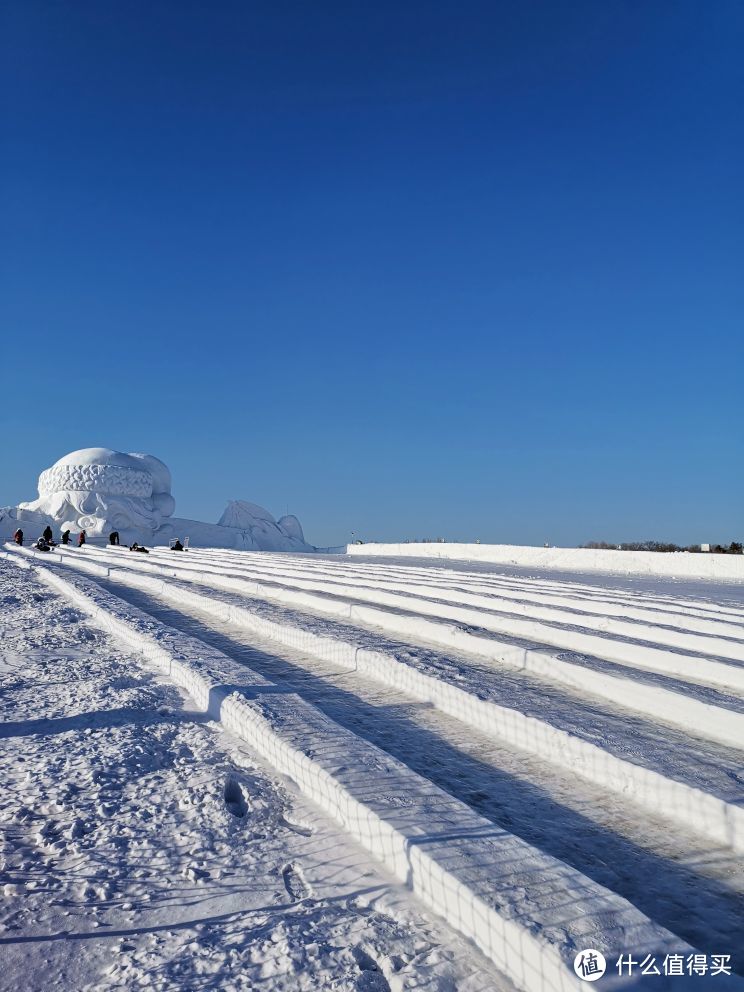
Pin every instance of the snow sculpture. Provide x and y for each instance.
(241, 513)
(161, 484)
(291, 526)
(259, 528)
(99, 490)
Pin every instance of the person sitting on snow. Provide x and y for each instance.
(177, 546)
(138, 547)
(42, 544)
(18, 537)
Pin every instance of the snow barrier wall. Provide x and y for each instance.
(683, 564)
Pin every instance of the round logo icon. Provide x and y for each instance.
(590, 965)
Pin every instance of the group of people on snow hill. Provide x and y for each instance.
(46, 541)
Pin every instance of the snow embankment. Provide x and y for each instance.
(461, 865)
(683, 564)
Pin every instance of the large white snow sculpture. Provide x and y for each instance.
(100, 490)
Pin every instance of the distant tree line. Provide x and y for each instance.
(735, 548)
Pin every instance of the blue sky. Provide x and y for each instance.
(407, 269)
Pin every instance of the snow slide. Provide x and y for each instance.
(458, 863)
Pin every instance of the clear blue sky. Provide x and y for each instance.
(408, 269)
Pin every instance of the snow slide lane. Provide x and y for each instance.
(508, 897)
(655, 623)
(690, 802)
(143, 848)
(628, 644)
(664, 598)
(713, 719)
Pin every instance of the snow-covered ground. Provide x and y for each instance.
(145, 848)
(506, 744)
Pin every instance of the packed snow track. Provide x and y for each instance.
(507, 745)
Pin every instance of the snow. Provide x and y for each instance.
(266, 533)
(693, 802)
(100, 490)
(291, 526)
(682, 564)
(497, 773)
(720, 722)
(144, 849)
(240, 513)
(161, 483)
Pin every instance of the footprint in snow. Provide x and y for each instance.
(294, 882)
(371, 978)
(234, 798)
